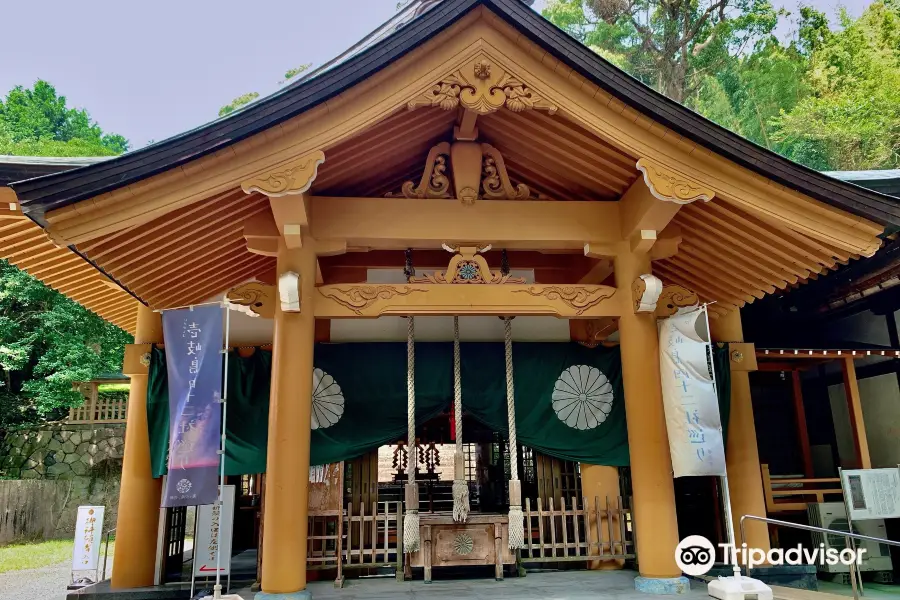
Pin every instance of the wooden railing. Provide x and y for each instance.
(358, 538)
(99, 408)
(598, 530)
(786, 494)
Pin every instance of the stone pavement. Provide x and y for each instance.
(569, 585)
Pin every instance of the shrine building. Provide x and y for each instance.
(465, 162)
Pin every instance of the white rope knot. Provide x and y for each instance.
(411, 531)
(516, 532)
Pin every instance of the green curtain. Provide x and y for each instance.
(247, 424)
(722, 368)
(372, 382)
(537, 368)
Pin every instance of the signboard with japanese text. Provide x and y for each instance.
(214, 528)
(872, 493)
(194, 343)
(88, 538)
(689, 395)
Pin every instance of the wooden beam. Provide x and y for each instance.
(802, 431)
(396, 223)
(854, 406)
(640, 210)
(377, 300)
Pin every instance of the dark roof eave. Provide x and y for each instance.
(44, 194)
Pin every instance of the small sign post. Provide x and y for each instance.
(86, 552)
(214, 529)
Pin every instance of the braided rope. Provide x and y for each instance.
(460, 486)
(516, 525)
(411, 518)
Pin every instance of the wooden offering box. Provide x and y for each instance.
(481, 540)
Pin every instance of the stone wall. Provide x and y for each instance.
(79, 465)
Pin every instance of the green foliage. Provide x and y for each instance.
(238, 103)
(828, 98)
(669, 44)
(291, 73)
(47, 343)
(851, 120)
(246, 99)
(36, 122)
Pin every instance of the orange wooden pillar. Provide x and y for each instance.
(741, 452)
(287, 464)
(656, 524)
(802, 430)
(854, 407)
(139, 497)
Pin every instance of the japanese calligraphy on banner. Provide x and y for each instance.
(194, 364)
(214, 527)
(88, 536)
(689, 395)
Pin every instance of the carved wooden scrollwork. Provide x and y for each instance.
(359, 297)
(467, 267)
(258, 298)
(490, 175)
(671, 186)
(495, 181)
(295, 177)
(578, 297)
(434, 182)
(483, 88)
(674, 297)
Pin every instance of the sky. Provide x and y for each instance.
(150, 70)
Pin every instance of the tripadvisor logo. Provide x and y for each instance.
(695, 555)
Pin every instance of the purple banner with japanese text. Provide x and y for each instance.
(194, 342)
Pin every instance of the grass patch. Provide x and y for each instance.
(34, 555)
(114, 387)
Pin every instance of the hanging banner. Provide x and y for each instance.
(194, 342)
(88, 536)
(214, 528)
(689, 395)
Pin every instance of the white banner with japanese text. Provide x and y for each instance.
(689, 395)
(88, 537)
(214, 527)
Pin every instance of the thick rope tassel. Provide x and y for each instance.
(411, 518)
(460, 485)
(516, 519)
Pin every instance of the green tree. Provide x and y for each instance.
(851, 118)
(668, 44)
(48, 343)
(36, 121)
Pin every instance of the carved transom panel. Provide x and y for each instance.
(467, 267)
(483, 88)
(258, 298)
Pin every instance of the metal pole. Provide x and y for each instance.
(726, 494)
(854, 573)
(217, 590)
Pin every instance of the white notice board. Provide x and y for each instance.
(88, 536)
(872, 493)
(214, 527)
